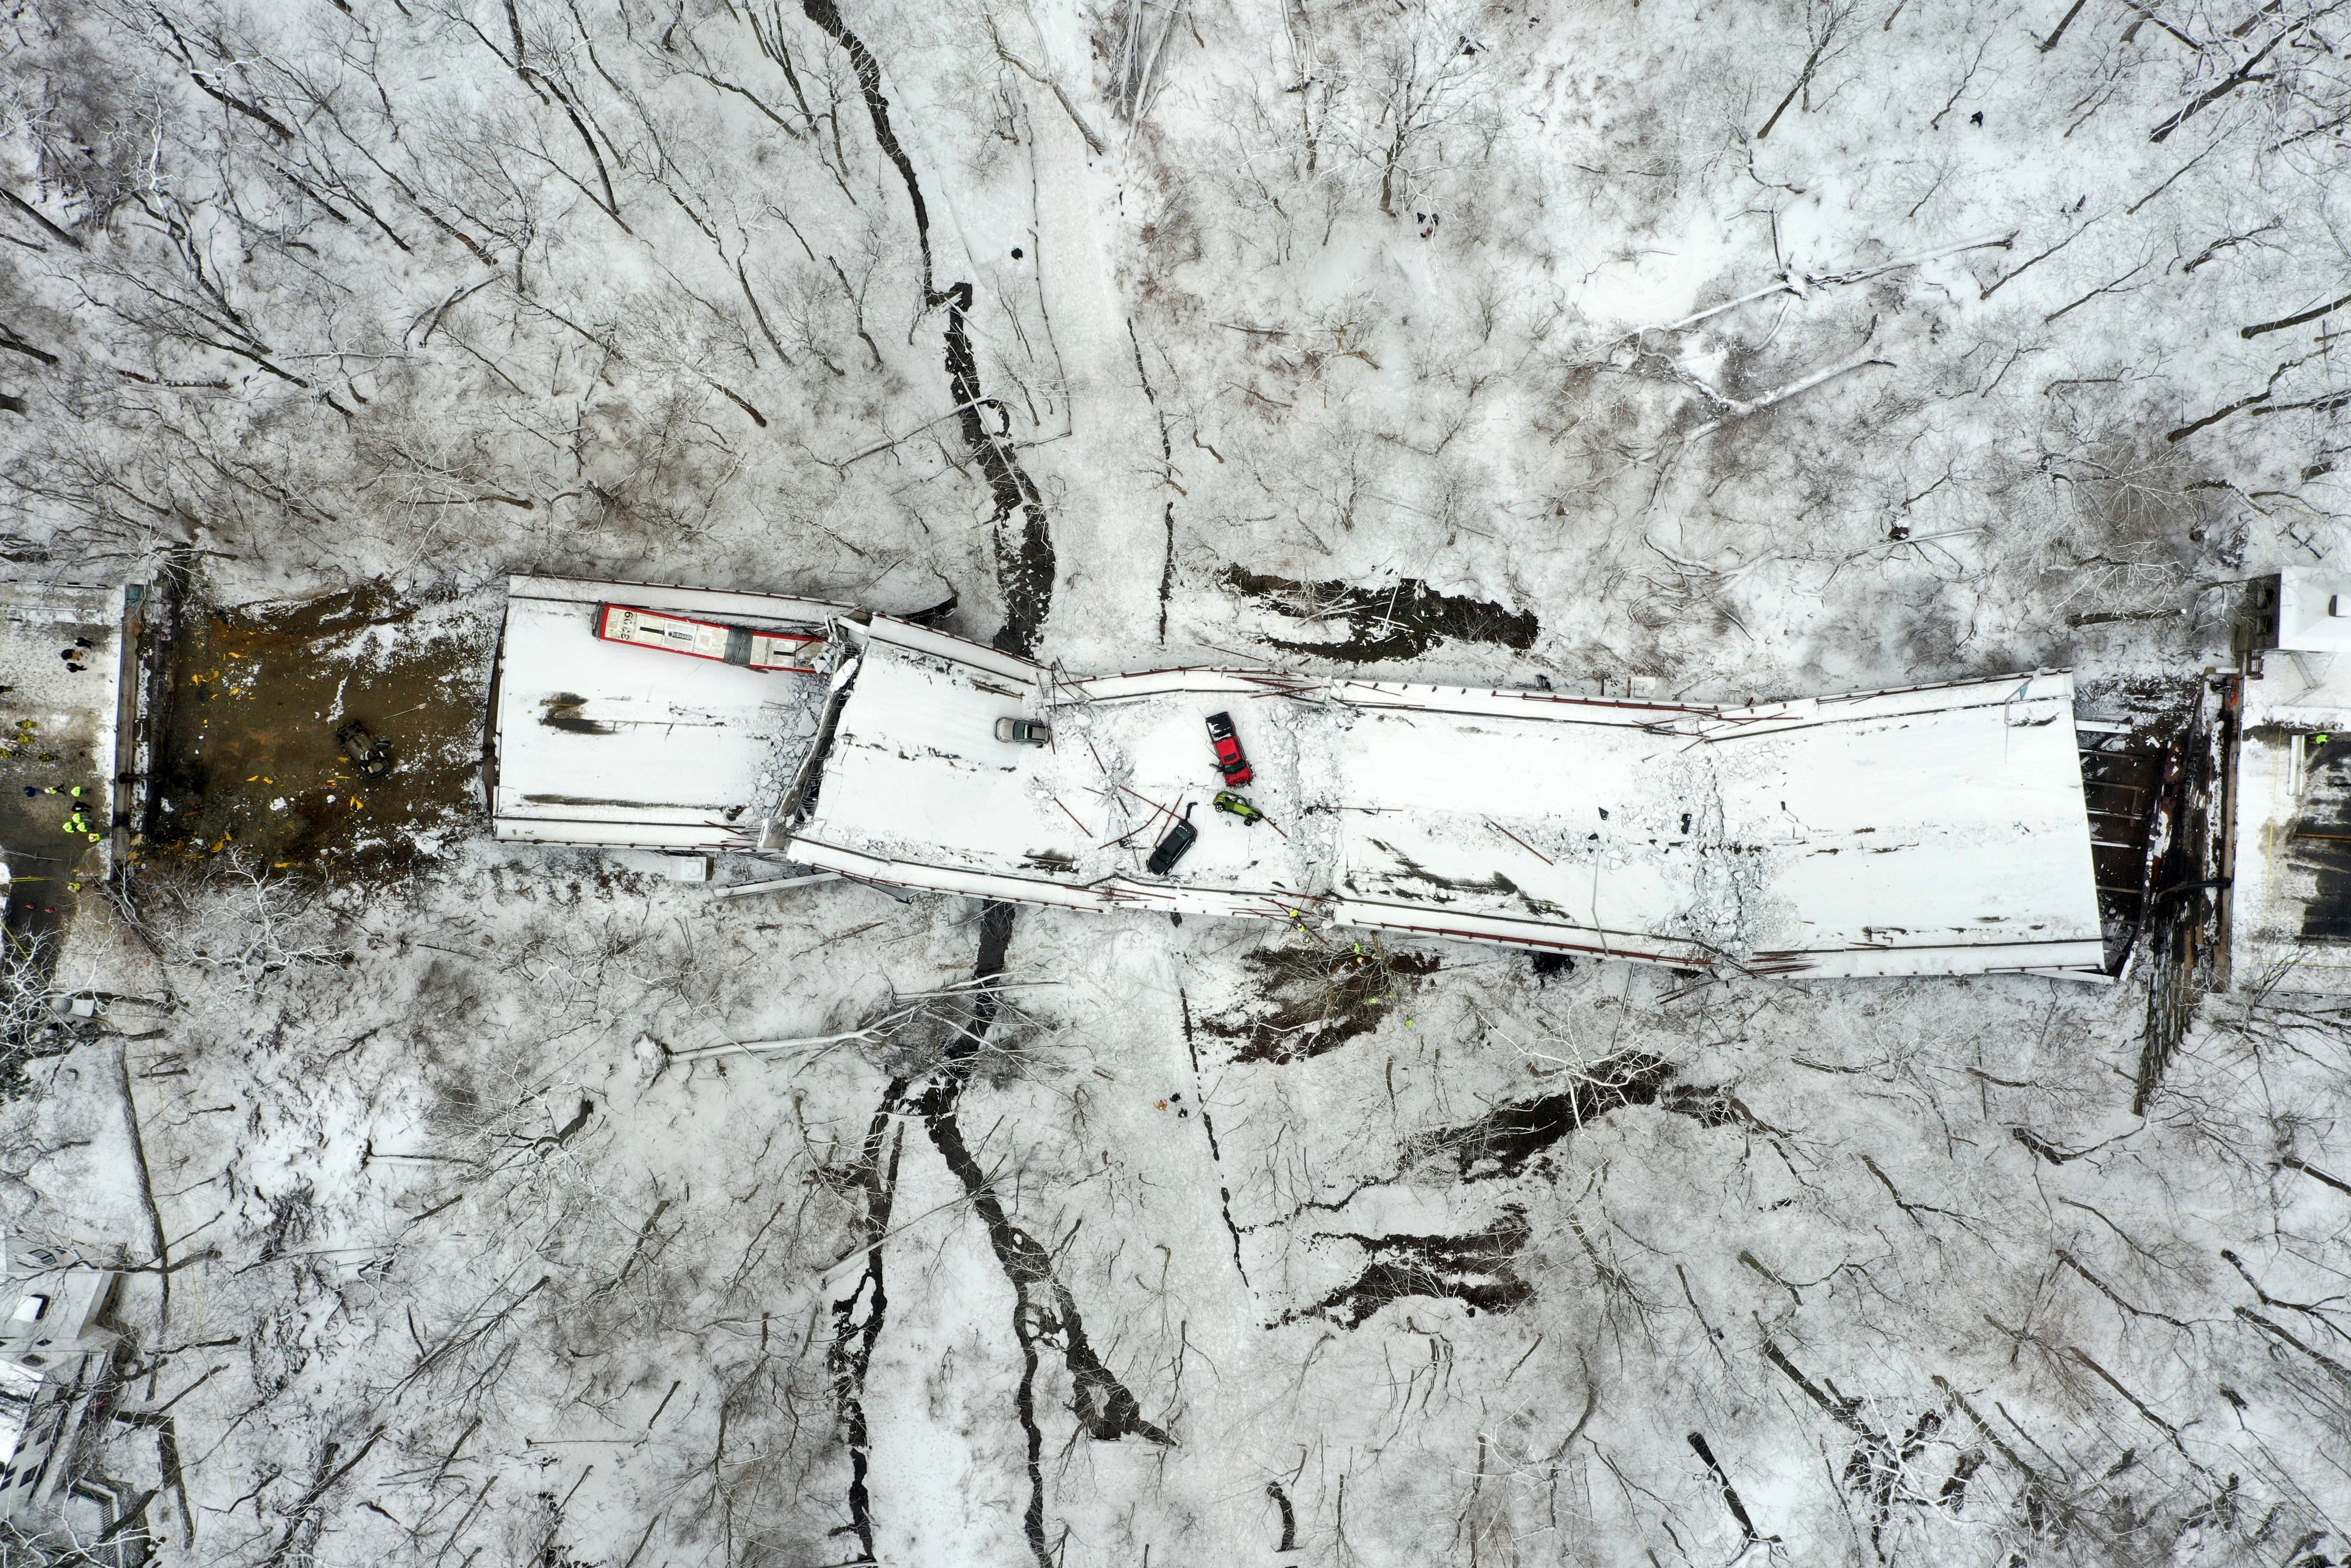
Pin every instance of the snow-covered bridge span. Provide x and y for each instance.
(1936, 829)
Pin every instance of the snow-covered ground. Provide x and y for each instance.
(1697, 355)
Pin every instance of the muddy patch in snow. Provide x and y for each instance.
(1478, 1270)
(248, 762)
(1517, 1135)
(1316, 998)
(1402, 621)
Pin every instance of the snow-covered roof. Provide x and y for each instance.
(2298, 689)
(2313, 612)
(605, 744)
(1933, 831)
(69, 1296)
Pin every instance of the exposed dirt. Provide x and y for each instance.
(1403, 620)
(1477, 1268)
(247, 760)
(1316, 998)
(1514, 1134)
(1501, 1141)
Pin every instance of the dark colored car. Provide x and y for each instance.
(369, 753)
(1172, 845)
(1230, 759)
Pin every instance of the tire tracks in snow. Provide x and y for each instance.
(1025, 565)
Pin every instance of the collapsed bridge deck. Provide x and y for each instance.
(1933, 831)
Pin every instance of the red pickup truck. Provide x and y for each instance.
(1230, 761)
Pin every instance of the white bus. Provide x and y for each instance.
(640, 628)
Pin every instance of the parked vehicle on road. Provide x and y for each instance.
(1239, 806)
(1172, 845)
(1230, 761)
(1026, 731)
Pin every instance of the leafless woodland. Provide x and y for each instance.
(520, 1208)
